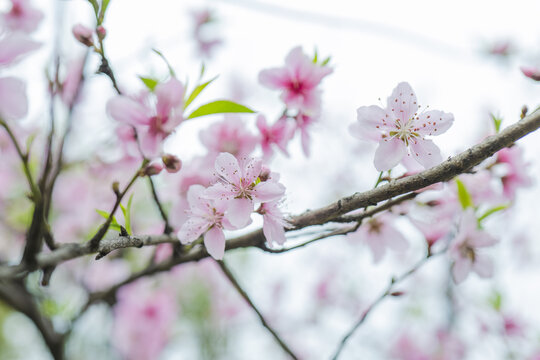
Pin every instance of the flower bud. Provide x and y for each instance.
(172, 163)
(152, 169)
(83, 34)
(265, 174)
(101, 32)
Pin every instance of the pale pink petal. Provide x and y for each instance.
(395, 239)
(275, 78)
(251, 169)
(214, 242)
(389, 153)
(273, 231)
(461, 269)
(268, 191)
(433, 122)
(192, 229)
(170, 95)
(402, 102)
(425, 152)
(22, 17)
(195, 196)
(239, 212)
(13, 101)
(482, 239)
(128, 111)
(15, 45)
(227, 166)
(151, 143)
(377, 247)
(372, 120)
(483, 266)
(220, 191)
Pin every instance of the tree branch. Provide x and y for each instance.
(246, 297)
(387, 292)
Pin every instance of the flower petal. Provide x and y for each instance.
(389, 153)
(251, 169)
(227, 166)
(433, 122)
(192, 229)
(425, 152)
(273, 231)
(170, 95)
(403, 102)
(268, 191)
(13, 101)
(214, 242)
(239, 212)
(372, 122)
(461, 269)
(483, 266)
(126, 110)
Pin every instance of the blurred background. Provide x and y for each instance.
(460, 57)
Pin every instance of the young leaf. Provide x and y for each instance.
(463, 194)
(219, 107)
(171, 70)
(149, 82)
(105, 215)
(496, 122)
(491, 211)
(198, 89)
(326, 61)
(95, 5)
(127, 216)
(104, 6)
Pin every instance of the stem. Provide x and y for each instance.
(246, 297)
(379, 299)
(168, 229)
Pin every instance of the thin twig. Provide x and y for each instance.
(246, 297)
(168, 228)
(388, 291)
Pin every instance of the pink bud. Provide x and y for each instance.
(83, 34)
(152, 169)
(531, 72)
(101, 32)
(172, 163)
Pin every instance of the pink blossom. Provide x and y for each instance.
(206, 217)
(22, 17)
(206, 40)
(72, 81)
(433, 231)
(83, 34)
(464, 249)
(512, 326)
(240, 186)
(401, 130)
(100, 275)
(274, 224)
(298, 81)
(515, 175)
(154, 122)
(303, 123)
(379, 234)
(278, 134)
(13, 101)
(14, 45)
(229, 135)
(531, 72)
(143, 321)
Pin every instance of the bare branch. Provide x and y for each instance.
(246, 297)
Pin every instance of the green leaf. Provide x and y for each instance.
(496, 301)
(326, 61)
(315, 56)
(496, 122)
(150, 83)
(105, 215)
(127, 215)
(463, 194)
(198, 89)
(104, 5)
(493, 210)
(219, 107)
(171, 70)
(95, 5)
